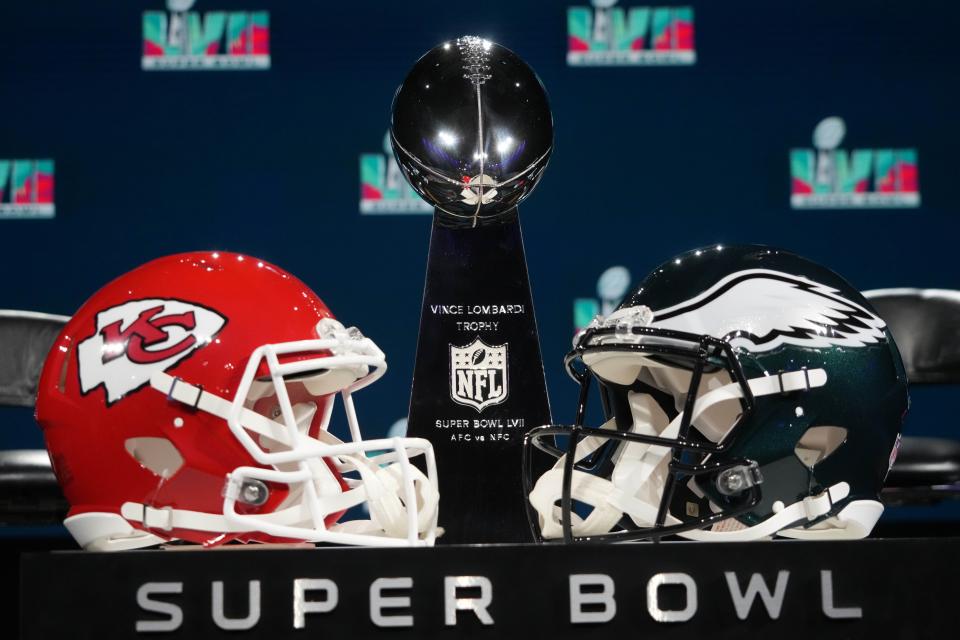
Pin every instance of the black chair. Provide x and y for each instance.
(926, 325)
(29, 494)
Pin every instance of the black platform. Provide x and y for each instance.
(904, 588)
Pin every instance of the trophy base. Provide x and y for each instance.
(478, 382)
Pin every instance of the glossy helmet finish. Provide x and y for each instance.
(471, 129)
(190, 399)
(749, 393)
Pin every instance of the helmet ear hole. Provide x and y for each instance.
(817, 443)
(157, 455)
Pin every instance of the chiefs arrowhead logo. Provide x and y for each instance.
(135, 339)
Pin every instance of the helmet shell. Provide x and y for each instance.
(197, 316)
(783, 313)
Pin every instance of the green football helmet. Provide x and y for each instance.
(749, 392)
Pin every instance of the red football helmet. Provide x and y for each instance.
(189, 400)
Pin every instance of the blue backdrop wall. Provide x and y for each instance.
(689, 143)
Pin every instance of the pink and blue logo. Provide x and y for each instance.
(612, 286)
(26, 189)
(608, 35)
(183, 39)
(827, 177)
(383, 189)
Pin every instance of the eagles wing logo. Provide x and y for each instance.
(135, 339)
(760, 309)
(478, 374)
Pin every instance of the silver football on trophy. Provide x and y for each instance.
(472, 130)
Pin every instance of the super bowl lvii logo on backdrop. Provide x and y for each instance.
(607, 35)
(26, 189)
(828, 177)
(478, 374)
(612, 285)
(183, 39)
(383, 188)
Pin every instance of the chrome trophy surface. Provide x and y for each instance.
(472, 130)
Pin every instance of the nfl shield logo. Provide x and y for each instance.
(478, 374)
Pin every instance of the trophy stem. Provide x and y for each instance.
(478, 383)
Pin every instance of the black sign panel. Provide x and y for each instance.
(890, 588)
(478, 383)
